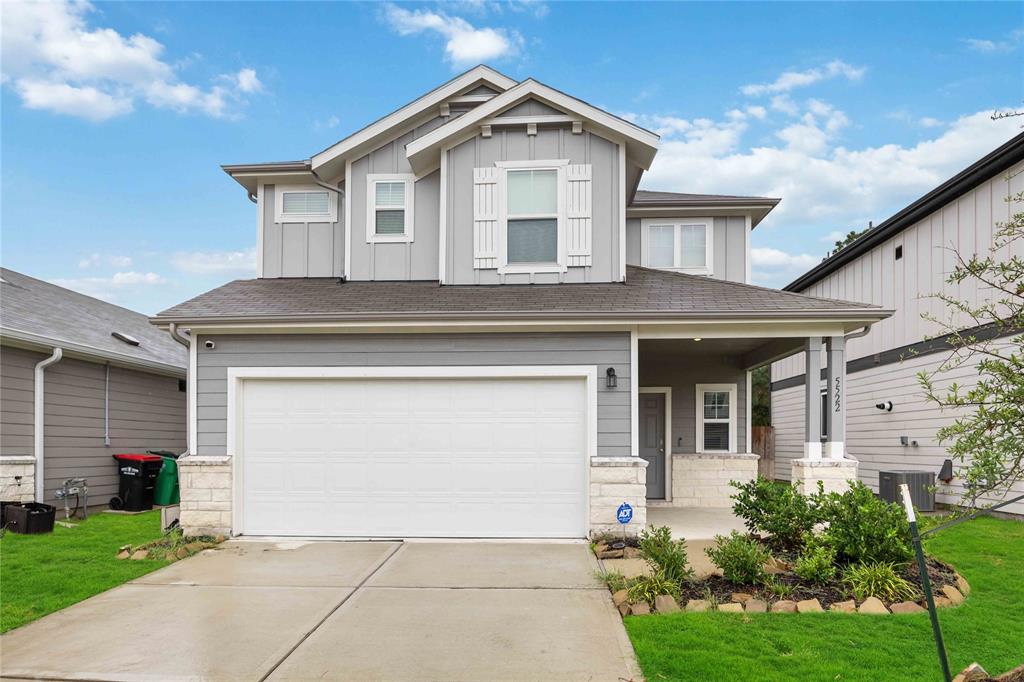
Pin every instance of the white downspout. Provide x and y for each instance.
(190, 411)
(38, 421)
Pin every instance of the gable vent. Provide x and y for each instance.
(130, 340)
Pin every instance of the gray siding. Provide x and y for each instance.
(683, 371)
(513, 144)
(729, 248)
(600, 349)
(301, 249)
(147, 411)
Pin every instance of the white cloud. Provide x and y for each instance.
(1012, 41)
(57, 62)
(790, 80)
(94, 259)
(327, 124)
(223, 263)
(466, 45)
(784, 104)
(929, 122)
(110, 288)
(774, 258)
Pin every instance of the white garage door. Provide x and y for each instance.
(414, 457)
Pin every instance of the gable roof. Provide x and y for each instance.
(651, 204)
(644, 197)
(39, 314)
(329, 161)
(641, 144)
(646, 294)
(1005, 156)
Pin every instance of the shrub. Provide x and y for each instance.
(816, 563)
(778, 589)
(613, 580)
(776, 510)
(863, 528)
(664, 554)
(878, 579)
(741, 558)
(647, 587)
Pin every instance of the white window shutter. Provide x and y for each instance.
(485, 218)
(579, 214)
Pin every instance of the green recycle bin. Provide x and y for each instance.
(166, 490)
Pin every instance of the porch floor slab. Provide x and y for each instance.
(694, 523)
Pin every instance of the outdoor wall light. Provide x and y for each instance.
(610, 380)
(697, 338)
(886, 406)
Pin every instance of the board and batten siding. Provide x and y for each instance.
(873, 435)
(728, 249)
(301, 249)
(514, 144)
(146, 412)
(905, 285)
(610, 349)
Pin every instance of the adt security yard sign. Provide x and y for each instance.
(624, 514)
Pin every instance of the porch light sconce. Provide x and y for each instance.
(697, 338)
(610, 380)
(885, 406)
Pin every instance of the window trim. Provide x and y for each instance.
(560, 264)
(281, 217)
(371, 207)
(677, 223)
(732, 390)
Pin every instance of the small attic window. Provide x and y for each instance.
(130, 340)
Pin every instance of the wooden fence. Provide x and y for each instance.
(763, 444)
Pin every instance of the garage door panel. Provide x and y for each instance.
(414, 457)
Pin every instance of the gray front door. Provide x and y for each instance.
(652, 442)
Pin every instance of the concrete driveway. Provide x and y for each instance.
(341, 611)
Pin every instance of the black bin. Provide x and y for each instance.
(136, 481)
(29, 518)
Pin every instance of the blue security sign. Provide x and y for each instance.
(624, 514)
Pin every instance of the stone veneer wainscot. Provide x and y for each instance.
(614, 480)
(206, 494)
(18, 478)
(702, 480)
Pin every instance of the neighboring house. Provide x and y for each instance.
(80, 380)
(899, 264)
(467, 321)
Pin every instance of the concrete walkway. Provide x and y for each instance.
(341, 611)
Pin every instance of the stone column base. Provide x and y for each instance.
(834, 474)
(702, 479)
(18, 478)
(614, 480)
(206, 494)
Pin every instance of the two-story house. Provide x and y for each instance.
(468, 321)
(902, 263)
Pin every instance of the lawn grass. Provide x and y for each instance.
(988, 628)
(40, 574)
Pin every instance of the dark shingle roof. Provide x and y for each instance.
(44, 312)
(647, 293)
(644, 196)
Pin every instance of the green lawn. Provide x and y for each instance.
(40, 574)
(988, 628)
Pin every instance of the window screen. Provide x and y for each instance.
(533, 241)
(532, 208)
(661, 246)
(716, 420)
(389, 201)
(305, 203)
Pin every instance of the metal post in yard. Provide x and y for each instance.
(925, 582)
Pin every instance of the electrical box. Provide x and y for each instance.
(920, 483)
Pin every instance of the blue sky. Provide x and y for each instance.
(116, 117)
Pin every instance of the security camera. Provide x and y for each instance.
(885, 405)
(210, 345)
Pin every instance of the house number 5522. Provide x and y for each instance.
(838, 393)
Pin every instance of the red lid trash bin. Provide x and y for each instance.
(136, 481)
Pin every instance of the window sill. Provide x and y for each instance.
(306, 218)
(531, 268)
(389, 239)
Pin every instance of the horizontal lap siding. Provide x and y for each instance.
(873, 436)
(147, 412)
(601, 350)
(16, 400)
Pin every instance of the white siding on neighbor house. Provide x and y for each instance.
(606, 349)
(966, 224)
(873, 435)
(729, 246)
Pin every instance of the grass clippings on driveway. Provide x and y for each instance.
(988, 628)
(40, 574)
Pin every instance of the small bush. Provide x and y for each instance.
(778, 589)
(741, 558)
(863, 528)
(613, 580)
(878, 579)
(817, 563)
(664, 554)
(647, 587)
(776, 510)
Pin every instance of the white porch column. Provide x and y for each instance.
(835, 420)
(812, 398)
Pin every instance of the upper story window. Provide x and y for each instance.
(716, 418)
(532, 211)
(305, 204)
(389, 207)
(682, 245)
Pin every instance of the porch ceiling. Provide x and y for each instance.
(716, 347)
